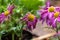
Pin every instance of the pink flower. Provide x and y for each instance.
(30, 20)
(6, 14)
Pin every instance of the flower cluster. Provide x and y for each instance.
(50, 14)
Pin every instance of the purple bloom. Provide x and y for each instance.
(2, 17)
(55, 19)
(30, 20)
(6, 14)
(10, 8)
(50, 14)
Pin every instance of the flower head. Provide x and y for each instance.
(51, 9)
(6, 13)
(55, 19)
(56, 14)
(30, 17)
(30, 20)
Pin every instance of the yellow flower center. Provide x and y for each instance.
(51, 9)
(6, 13)
(31, 17)
(56, 14)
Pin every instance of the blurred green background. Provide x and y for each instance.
(22, 5)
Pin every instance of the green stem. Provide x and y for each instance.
(0, 37)
(21, 30)
(57, 33)
(19, 38)
(0, 31)
(12, 36)
(21, 33)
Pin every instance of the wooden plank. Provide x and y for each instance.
(44, 36)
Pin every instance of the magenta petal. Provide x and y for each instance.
(50, 15)
(41, 19)
(2, 17)
(57, 9)
(58, 19)
(44, 15)
(54, 25)
(25, 17)
(48, 3)
(29, 26)
(10, 8)
(34, 23)
(42, 12)
(48, 22)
